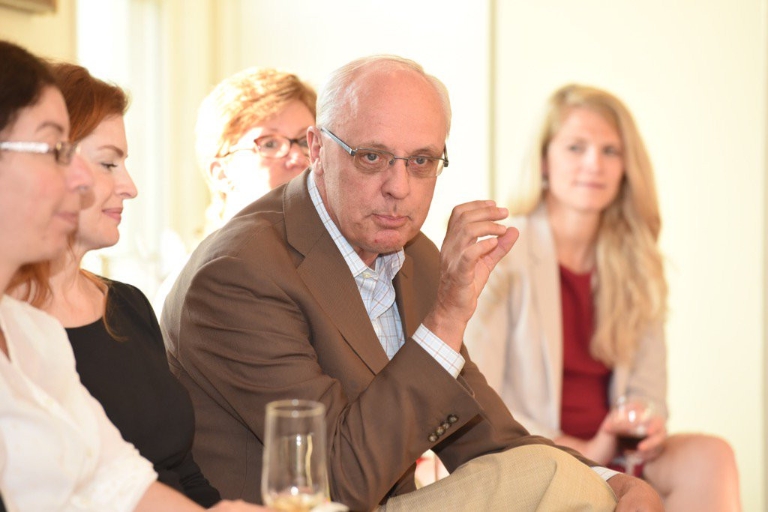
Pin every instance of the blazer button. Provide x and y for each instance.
(452, 418)
(440, 431)
(432, 438)
(446, 425)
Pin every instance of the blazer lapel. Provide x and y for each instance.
(327, 275)
(404, 297)
(547, 302)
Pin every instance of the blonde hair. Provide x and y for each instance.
(630, 295)
(238, 103)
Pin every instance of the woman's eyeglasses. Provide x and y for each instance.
(62, 151)
(273, 146)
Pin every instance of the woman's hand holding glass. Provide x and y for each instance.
(652, 446)
(638, 428)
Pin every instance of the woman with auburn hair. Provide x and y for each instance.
(573, 318)
(114, 334)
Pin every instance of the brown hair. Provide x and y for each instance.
(89, 101)
(22, 79)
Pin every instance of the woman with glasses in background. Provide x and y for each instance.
(58, 449)
(573, 318)
(251, 136)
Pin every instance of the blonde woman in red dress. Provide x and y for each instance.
(573, 317)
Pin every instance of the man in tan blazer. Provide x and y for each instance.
(325, 289)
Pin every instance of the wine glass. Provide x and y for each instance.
(294, 476)
(631, 417)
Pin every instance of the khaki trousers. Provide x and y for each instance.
(527, 478)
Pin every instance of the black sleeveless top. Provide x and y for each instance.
(129, 375)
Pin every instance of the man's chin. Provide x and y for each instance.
(389, 242)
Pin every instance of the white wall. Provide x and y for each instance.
(693, 73)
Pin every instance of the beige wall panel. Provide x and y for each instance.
(49, 35)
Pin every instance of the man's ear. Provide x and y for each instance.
(315, 144)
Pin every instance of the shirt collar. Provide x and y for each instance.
(389, 263)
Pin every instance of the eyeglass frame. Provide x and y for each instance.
(353, 151)
(257, 149)
(63, 151)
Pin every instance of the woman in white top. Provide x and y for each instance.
(573, 317)
(58, 450)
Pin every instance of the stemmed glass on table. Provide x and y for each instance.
(294, 475)
(631, 417)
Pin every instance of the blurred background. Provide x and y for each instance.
(693, 72)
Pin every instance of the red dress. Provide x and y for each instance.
(584, 402)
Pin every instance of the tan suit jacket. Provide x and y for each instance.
(516, 335)
(267, 309)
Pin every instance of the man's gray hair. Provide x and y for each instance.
(330, 98)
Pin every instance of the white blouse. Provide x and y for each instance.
(58, 450)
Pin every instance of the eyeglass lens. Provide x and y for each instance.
(375, 161)
(277, 146)
(63, 151)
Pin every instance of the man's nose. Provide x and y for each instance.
(397, 182)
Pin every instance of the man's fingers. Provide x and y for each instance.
(476, 211)
(508, 239)
(502, 247)
(478, 230)
(490, 250)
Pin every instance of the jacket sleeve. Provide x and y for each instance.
(252, 336)
(647, 376)
(494, 423)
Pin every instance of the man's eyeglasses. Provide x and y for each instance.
(273, 146)
(62, 151)
(372, 161)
